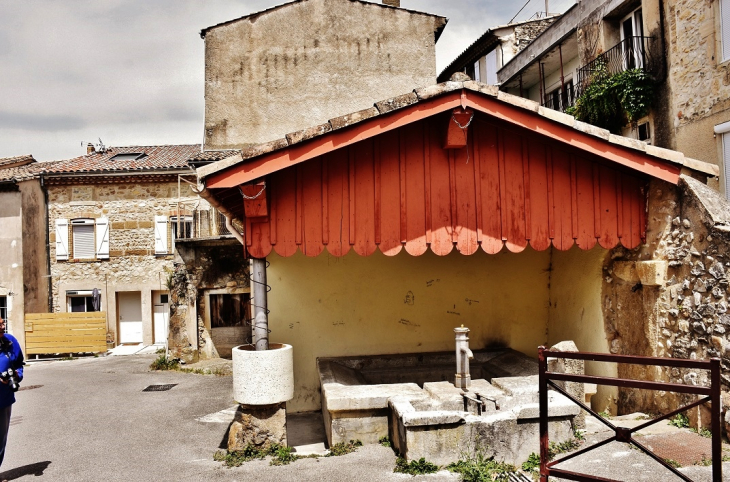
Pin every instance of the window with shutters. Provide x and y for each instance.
(724, 30)
(726, 162)
(181, 228)
(82, 239)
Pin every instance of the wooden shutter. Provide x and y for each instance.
(61, 239)
(726, 162)
(491, 60)
(102, 238)
(83, 241)
(161, 235)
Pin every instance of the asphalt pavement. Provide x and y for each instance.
(89, 419)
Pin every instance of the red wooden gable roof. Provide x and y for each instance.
(387, 183)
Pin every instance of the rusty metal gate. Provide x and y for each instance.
(622, 434)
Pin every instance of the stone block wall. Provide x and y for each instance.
(669, 298)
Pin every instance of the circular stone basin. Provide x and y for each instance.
(263, 377)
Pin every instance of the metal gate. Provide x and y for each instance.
(622, 434)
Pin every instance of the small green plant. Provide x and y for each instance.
(479, 468)
(703, 432)
(160, 351)
(164, 363)
(283, 456)
(415, 467)
(562, 447)
(680, 421)
(606, 414)
(343, 448)
(385, 441)
(579, 435)
(672, 463)
(68, 358)
(532, 464)
(726, 458)
(705, 462)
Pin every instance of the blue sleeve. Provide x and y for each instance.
(18, 360)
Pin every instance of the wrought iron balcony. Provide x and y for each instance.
(630, 53)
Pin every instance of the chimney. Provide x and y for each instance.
(90, 148)
(392, 3)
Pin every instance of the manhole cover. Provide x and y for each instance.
(29, 387)
(159, 388)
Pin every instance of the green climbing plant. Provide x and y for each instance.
(612, 100)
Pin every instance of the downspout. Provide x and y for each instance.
(48, 245)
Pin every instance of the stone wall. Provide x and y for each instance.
(131, 208)
(669, 298)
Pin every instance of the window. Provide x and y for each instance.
(725, 29)
(83, 301)
(4, 307)
(632, 32)
(477, 74)
(166, 232)
(89, 239)
(644, 132)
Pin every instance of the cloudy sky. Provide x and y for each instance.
(131, 71)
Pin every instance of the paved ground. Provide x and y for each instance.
(89, 420)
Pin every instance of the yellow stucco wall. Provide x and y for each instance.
(576, 312)
(329, 306)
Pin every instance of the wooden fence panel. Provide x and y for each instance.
(49, 333)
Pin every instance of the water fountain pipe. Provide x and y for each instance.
(463, 355)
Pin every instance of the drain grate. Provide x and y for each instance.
(159, 388)
(519, 477)
(29, 387)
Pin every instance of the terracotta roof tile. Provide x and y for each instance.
(152, 158)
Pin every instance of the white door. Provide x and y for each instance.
(161, 311)
(130, 317)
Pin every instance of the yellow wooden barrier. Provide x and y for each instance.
(49, 333)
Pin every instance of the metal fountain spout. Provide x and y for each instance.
(463, 355)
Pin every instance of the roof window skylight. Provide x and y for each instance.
(128, 156)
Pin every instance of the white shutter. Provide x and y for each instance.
(491, 77)
(61, 239)
(102, 238)
(161, 235)
(477, 75)
(725, 29)
(83, 241)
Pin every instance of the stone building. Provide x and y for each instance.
(299, 64)
(486, 55)
(683, 44)
(115, 216)
(23, 240)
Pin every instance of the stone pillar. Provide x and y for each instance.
(261, 317)
(259, 426)
(573, 367)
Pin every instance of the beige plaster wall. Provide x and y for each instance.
(11, 268)
(302, 64)
(327, 306)
(699, 80)
(576, 311)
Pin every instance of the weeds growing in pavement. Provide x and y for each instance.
(415, 467)
(672, 463)
(343, 448)
(281, 455)
(479, 468)
(680, 421)
(164, 363)
(385, 442)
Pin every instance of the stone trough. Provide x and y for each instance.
(412, 399)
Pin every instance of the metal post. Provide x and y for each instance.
(563, 95)
(716, 420)
(261, 317)
(543, 394)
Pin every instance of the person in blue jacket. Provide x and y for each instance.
(11, 356)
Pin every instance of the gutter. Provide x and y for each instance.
(48, 245)
(203, 192)
(158, 171)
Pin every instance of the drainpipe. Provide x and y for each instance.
(261, 318)
(562, 79)
(48, 246)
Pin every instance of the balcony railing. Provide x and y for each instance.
(630, 53)
(200, 223)
(560, 98)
